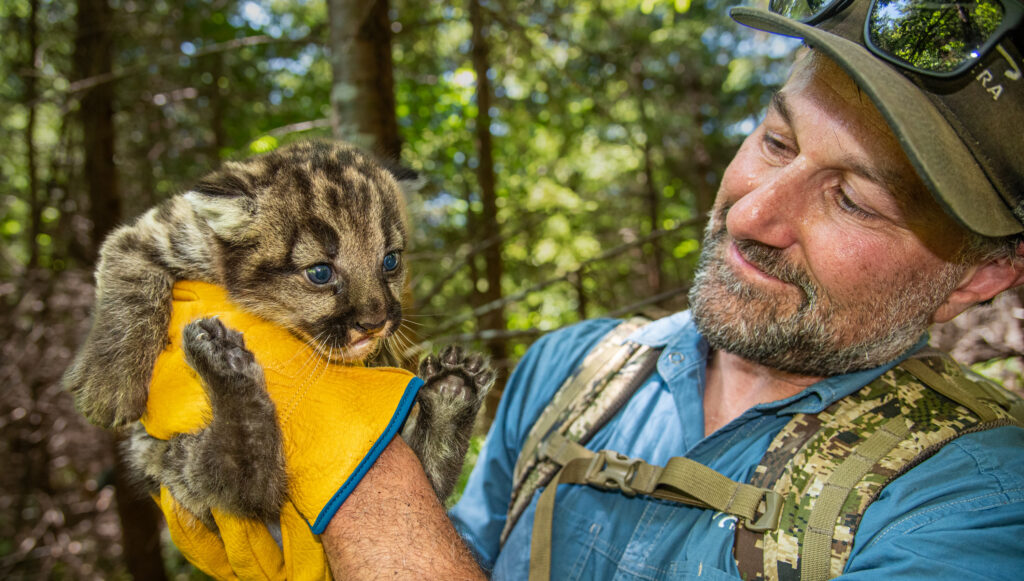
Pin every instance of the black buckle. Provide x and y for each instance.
(610, 470)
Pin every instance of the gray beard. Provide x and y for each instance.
(816, 335)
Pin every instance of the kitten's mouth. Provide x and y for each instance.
(360, 349)
(360, 346)
(355, 347)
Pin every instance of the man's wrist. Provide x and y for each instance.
(393, 526)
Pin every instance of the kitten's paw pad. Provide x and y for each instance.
(452, 387)
(219, 355)
(457, 374)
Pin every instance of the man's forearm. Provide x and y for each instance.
(393, 527)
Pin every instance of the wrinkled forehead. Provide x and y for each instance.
(820, 79)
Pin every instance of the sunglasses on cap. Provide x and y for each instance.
(936, 38)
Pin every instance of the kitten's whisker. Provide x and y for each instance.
(409, 348)
(318, 358)
(308, 348)
(313, 352)
(389, 347)
(402, 339)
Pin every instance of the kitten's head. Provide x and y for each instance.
(311, 236)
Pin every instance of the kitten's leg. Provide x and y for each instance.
(455, 384)
(237, 462)
(151, 465)
(110, 375)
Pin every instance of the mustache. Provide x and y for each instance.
(771, 261)
(768, 259)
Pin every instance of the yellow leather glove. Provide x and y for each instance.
(335, 421)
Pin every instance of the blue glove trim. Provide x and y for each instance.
(404, 405)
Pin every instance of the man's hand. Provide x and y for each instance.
(393, 527)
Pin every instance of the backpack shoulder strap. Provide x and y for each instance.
(830, 466)
(608, 376)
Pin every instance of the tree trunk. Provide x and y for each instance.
(363, 107)
(140, 526)
(140, 530)
(31, 94)
(487, 224)
(363, 94)
(651, 195)
(93, 57)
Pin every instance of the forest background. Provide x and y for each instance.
(569, 150)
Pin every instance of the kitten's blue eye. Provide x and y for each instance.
(390, 261)
(320, 273)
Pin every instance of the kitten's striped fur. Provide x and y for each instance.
(255, 227)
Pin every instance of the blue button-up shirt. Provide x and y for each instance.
(958, 515)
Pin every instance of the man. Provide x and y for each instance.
(872, 201)
(826, 235)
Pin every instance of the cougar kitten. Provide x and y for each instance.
(310, 237)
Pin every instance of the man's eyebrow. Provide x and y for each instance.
(894, 182)
(779, 105)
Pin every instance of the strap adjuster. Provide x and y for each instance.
(610, 470)
(769, 519)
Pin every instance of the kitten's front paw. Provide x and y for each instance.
(456, 376)
(455, 384)
(105, 392)
(219, 356)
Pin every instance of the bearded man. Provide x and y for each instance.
(792, 423)
(876, 197)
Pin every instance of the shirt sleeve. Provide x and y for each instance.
(958, 515)
(479, 516)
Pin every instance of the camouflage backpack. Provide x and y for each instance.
(801, 509)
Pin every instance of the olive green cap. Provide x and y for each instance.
(964, 136)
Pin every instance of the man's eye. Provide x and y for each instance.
(849, 206)
(774, 144)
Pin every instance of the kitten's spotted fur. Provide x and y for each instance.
(310, 237)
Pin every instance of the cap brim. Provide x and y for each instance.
(942, 161)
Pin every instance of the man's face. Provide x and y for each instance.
(825, 253)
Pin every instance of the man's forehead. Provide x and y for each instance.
(869, 147)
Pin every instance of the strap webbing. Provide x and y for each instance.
(571, 393)
(816, 553)
(681, 480)
(950, 388)
(609, 375)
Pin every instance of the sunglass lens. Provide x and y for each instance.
(933, 36)
(802, 10)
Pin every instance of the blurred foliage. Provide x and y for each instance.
(612, 122)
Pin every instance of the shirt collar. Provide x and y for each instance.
(663, 331)
(824, 393)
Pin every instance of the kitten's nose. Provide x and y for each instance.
(371, 327)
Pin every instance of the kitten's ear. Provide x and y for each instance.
(224, 202)
(409, 180)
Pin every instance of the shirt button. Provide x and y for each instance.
(676, 357)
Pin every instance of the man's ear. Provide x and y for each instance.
(982, 282)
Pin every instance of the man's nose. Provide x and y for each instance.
(774, 207)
